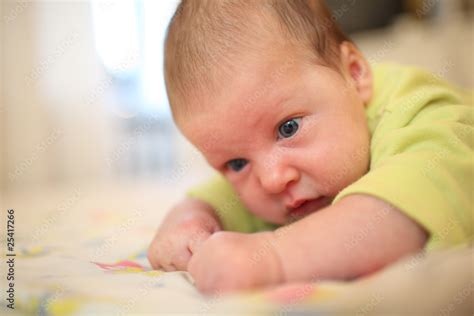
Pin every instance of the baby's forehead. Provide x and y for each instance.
(247, 102)
(230, 126)
(257, 82)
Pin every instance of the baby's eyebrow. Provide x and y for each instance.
(275, 109)
(217, 157)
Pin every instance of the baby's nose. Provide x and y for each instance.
(275, 178)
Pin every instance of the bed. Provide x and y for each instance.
(82, 251)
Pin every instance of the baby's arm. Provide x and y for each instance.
(351, 238)
(355, 236)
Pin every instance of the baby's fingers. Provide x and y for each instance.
(197, 239)
(152, 258)
(180, 260)
(159, 254)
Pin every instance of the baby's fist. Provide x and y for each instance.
(181, 233)
(232, 261)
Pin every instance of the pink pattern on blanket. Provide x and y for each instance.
(123, 265)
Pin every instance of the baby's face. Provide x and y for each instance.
(289, 142)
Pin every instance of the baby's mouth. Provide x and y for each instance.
(307, 207)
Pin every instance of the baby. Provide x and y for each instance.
(329, 169)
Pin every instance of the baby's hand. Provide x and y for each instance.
(230, 261)
(189, 224)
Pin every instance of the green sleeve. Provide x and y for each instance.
(234, 216)
(422, 159)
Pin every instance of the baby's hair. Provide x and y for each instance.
(205, 38)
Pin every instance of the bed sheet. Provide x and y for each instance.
(83, 252)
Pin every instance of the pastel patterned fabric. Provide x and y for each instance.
(93, 262)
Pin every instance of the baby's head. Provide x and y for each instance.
(273, 94)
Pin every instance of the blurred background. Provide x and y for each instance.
(82, 97)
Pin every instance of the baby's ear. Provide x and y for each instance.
(357, 70)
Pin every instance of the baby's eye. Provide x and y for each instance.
(237, 164)
(289, 128)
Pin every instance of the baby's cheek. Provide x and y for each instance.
(339, 174)
(262, 206)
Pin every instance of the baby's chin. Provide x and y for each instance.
(308, 208)
(277, 217)
(284, 216)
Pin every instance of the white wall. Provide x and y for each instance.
(61, 125)
(444, 46)
(49, 70)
